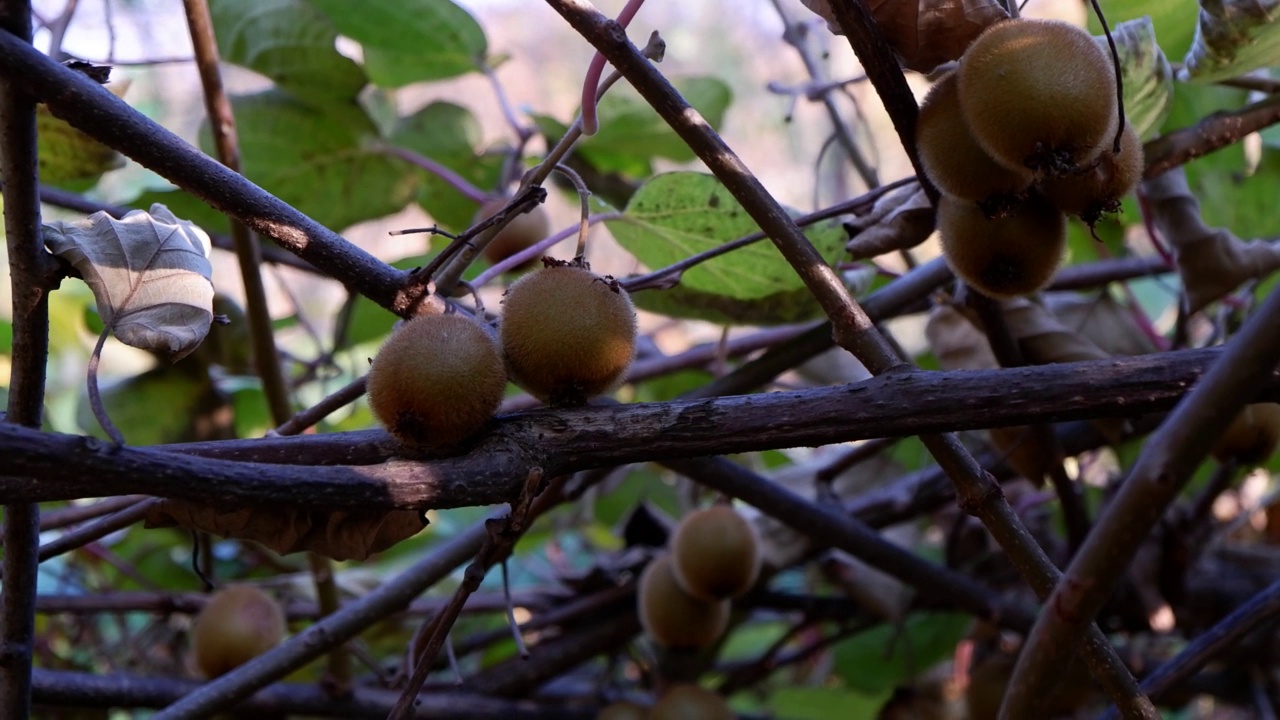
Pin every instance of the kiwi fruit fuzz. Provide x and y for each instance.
(524, 231)
(239, 623)
(1099, 189)
(673, 618)
(1005, 257)
(567, 334)
(1039, 95)
(1252, 437)
(954, 160)
(715, 553)
(437, 381)
(686, 701)
(623, 711)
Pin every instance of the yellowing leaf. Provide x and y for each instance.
(149, 274)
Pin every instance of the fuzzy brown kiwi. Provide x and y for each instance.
(1252, 437)
(1005, 257)
(673, 618)
(954, 160)
(437, 381)
(1098, 190)
(623, 711)
(524, 231)
(567, 334)
(239, 623)
(715, 553)
(1038, 94)
(686, 701)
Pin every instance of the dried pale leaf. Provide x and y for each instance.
(956, 342)
(1147, 75)
(1045, 340)
(899, 220)
(1212, 262)
(1102, 320)
(925, 33)
(341, 535)
(149, 273)
(1233, 37)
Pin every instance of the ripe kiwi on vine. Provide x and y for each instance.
(567, 334)
(437, 381)
(954, 160)
(715, 553)
(686, 701)
(1098, 190)
(673, 618)
(1039, 94)
(522, 232)
(1252, 436)
(237, 624)
(1003, 257)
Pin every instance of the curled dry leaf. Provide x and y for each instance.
(899, 220)
(149, 273)
(925, 33)
(1147, 75)
(1212, 262)
(1233, 37)
(340, 535)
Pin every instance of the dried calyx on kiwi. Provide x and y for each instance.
(1097, 189)
(567, 334)
(237, 624)
(1004, 257)
(1039, 95)
(437, 381)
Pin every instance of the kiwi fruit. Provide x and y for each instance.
(1252, 437)
(673, 618)
(524, 231)
(1098, 189)
(437, 381)
(1004, 257)
(954, 160)
(623, 711)
(239, 623)
(1038, 94)
(686, 701)
(715, 553)
(567, 334)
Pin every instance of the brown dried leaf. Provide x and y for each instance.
(1043, 339)
(341, 535)
(899, 220)
(925, 33)
(956, 342)
(1212, 262)
(1101, 320)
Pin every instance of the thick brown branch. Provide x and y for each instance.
(1212, 133)
(563, 441)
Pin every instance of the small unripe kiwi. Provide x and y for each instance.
(1005, 257)
(567, 334)
(672, 617)
(1038, 94)
(524, 230)
(437, 381)
(1252, 436)
(954, 160)
(715, 553)
(623, 711)
(239, 623)
(1099, 189)
(690, 702)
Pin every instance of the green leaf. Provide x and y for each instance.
(315, 161)
(290, 42)
(408, 41)
(631, 133)
(450, 135)
(132, 405)
(1148, 79)
(820, 703)
(1174, 20)
(68, 157)
(1233, 37)
(788, 306)
(187, 206)
(885, 657)
(6, 337)
(676, 215)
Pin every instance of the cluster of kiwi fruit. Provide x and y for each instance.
(566, 335)
(237, 624)
(1019, 136)
(684, 595)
